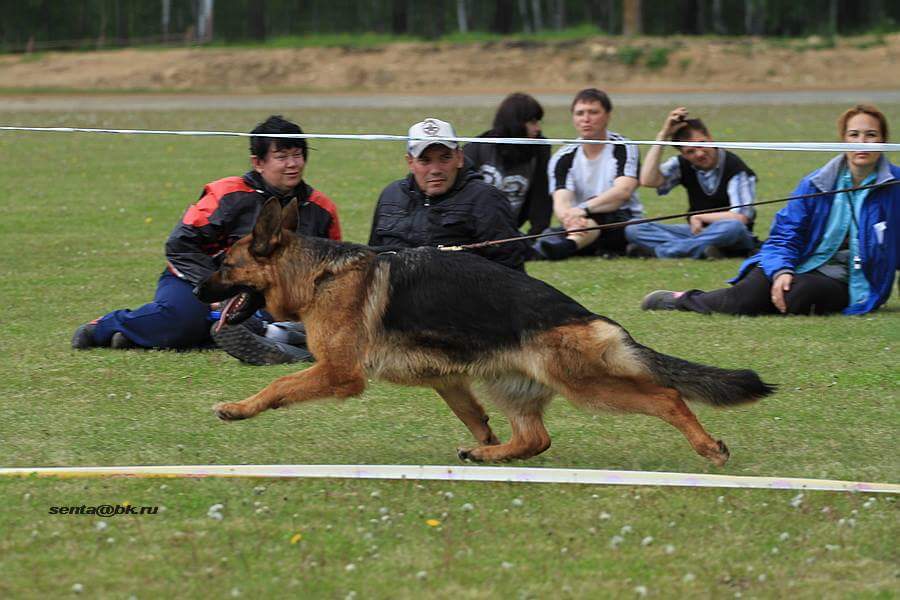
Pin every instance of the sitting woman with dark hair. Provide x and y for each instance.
(517, 170)
(225, 212)
(826, 254)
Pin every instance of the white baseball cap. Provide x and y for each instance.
(430, 127)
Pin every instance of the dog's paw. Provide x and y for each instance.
(467, 455)
(722, 455)
(229, 411)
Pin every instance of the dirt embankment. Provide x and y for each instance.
(644, 64)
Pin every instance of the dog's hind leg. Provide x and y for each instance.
(596, 366)
(464, 405)
(523, 401)
(317, 382)
(635, 396)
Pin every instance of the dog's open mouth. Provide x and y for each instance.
(239, 308)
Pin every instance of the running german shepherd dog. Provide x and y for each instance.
(448, 320)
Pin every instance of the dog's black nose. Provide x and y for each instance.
(204, 292)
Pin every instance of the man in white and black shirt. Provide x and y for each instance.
(713, 178)
(592, 184)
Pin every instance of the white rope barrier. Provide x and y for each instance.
(469, 473)
(381, 137)
(463, 473)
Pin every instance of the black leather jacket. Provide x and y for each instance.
(471, 211)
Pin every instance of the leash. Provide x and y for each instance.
(663, 218)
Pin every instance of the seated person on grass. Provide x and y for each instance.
(592, 184)
(837, 252)
(517, 170)
(441, 203)
(225, 212)
(713, 178)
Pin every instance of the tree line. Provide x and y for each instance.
(80, 24)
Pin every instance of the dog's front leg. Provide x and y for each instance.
(319, 381)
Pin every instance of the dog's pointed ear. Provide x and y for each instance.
(290, 216)
(267, 230)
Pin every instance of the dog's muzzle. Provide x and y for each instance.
(240, 308)
(241, 303)
(212, 290)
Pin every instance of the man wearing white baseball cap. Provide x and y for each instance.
(440, 203)
(431, 131)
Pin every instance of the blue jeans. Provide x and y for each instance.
(173, 319)
(676, 241)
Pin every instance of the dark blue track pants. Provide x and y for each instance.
(174, 319)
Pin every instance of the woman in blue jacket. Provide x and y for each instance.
(825, 254)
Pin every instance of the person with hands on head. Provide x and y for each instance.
(837, 252)
(592, 184)
(713, 178)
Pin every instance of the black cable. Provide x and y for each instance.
(663, 218)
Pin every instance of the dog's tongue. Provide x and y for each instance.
(231, 307)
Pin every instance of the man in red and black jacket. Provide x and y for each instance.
(225, 212)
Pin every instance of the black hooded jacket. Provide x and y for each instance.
(520, 172)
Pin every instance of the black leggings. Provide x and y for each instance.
(611, 241)
(810, 294)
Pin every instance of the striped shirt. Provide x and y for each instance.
(740, 187)
(570, 169)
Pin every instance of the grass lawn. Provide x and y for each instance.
(84, 221)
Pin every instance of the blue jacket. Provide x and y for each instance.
(799, 226)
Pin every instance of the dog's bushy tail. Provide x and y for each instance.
(703, 383)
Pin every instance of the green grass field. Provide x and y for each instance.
(84, 221)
